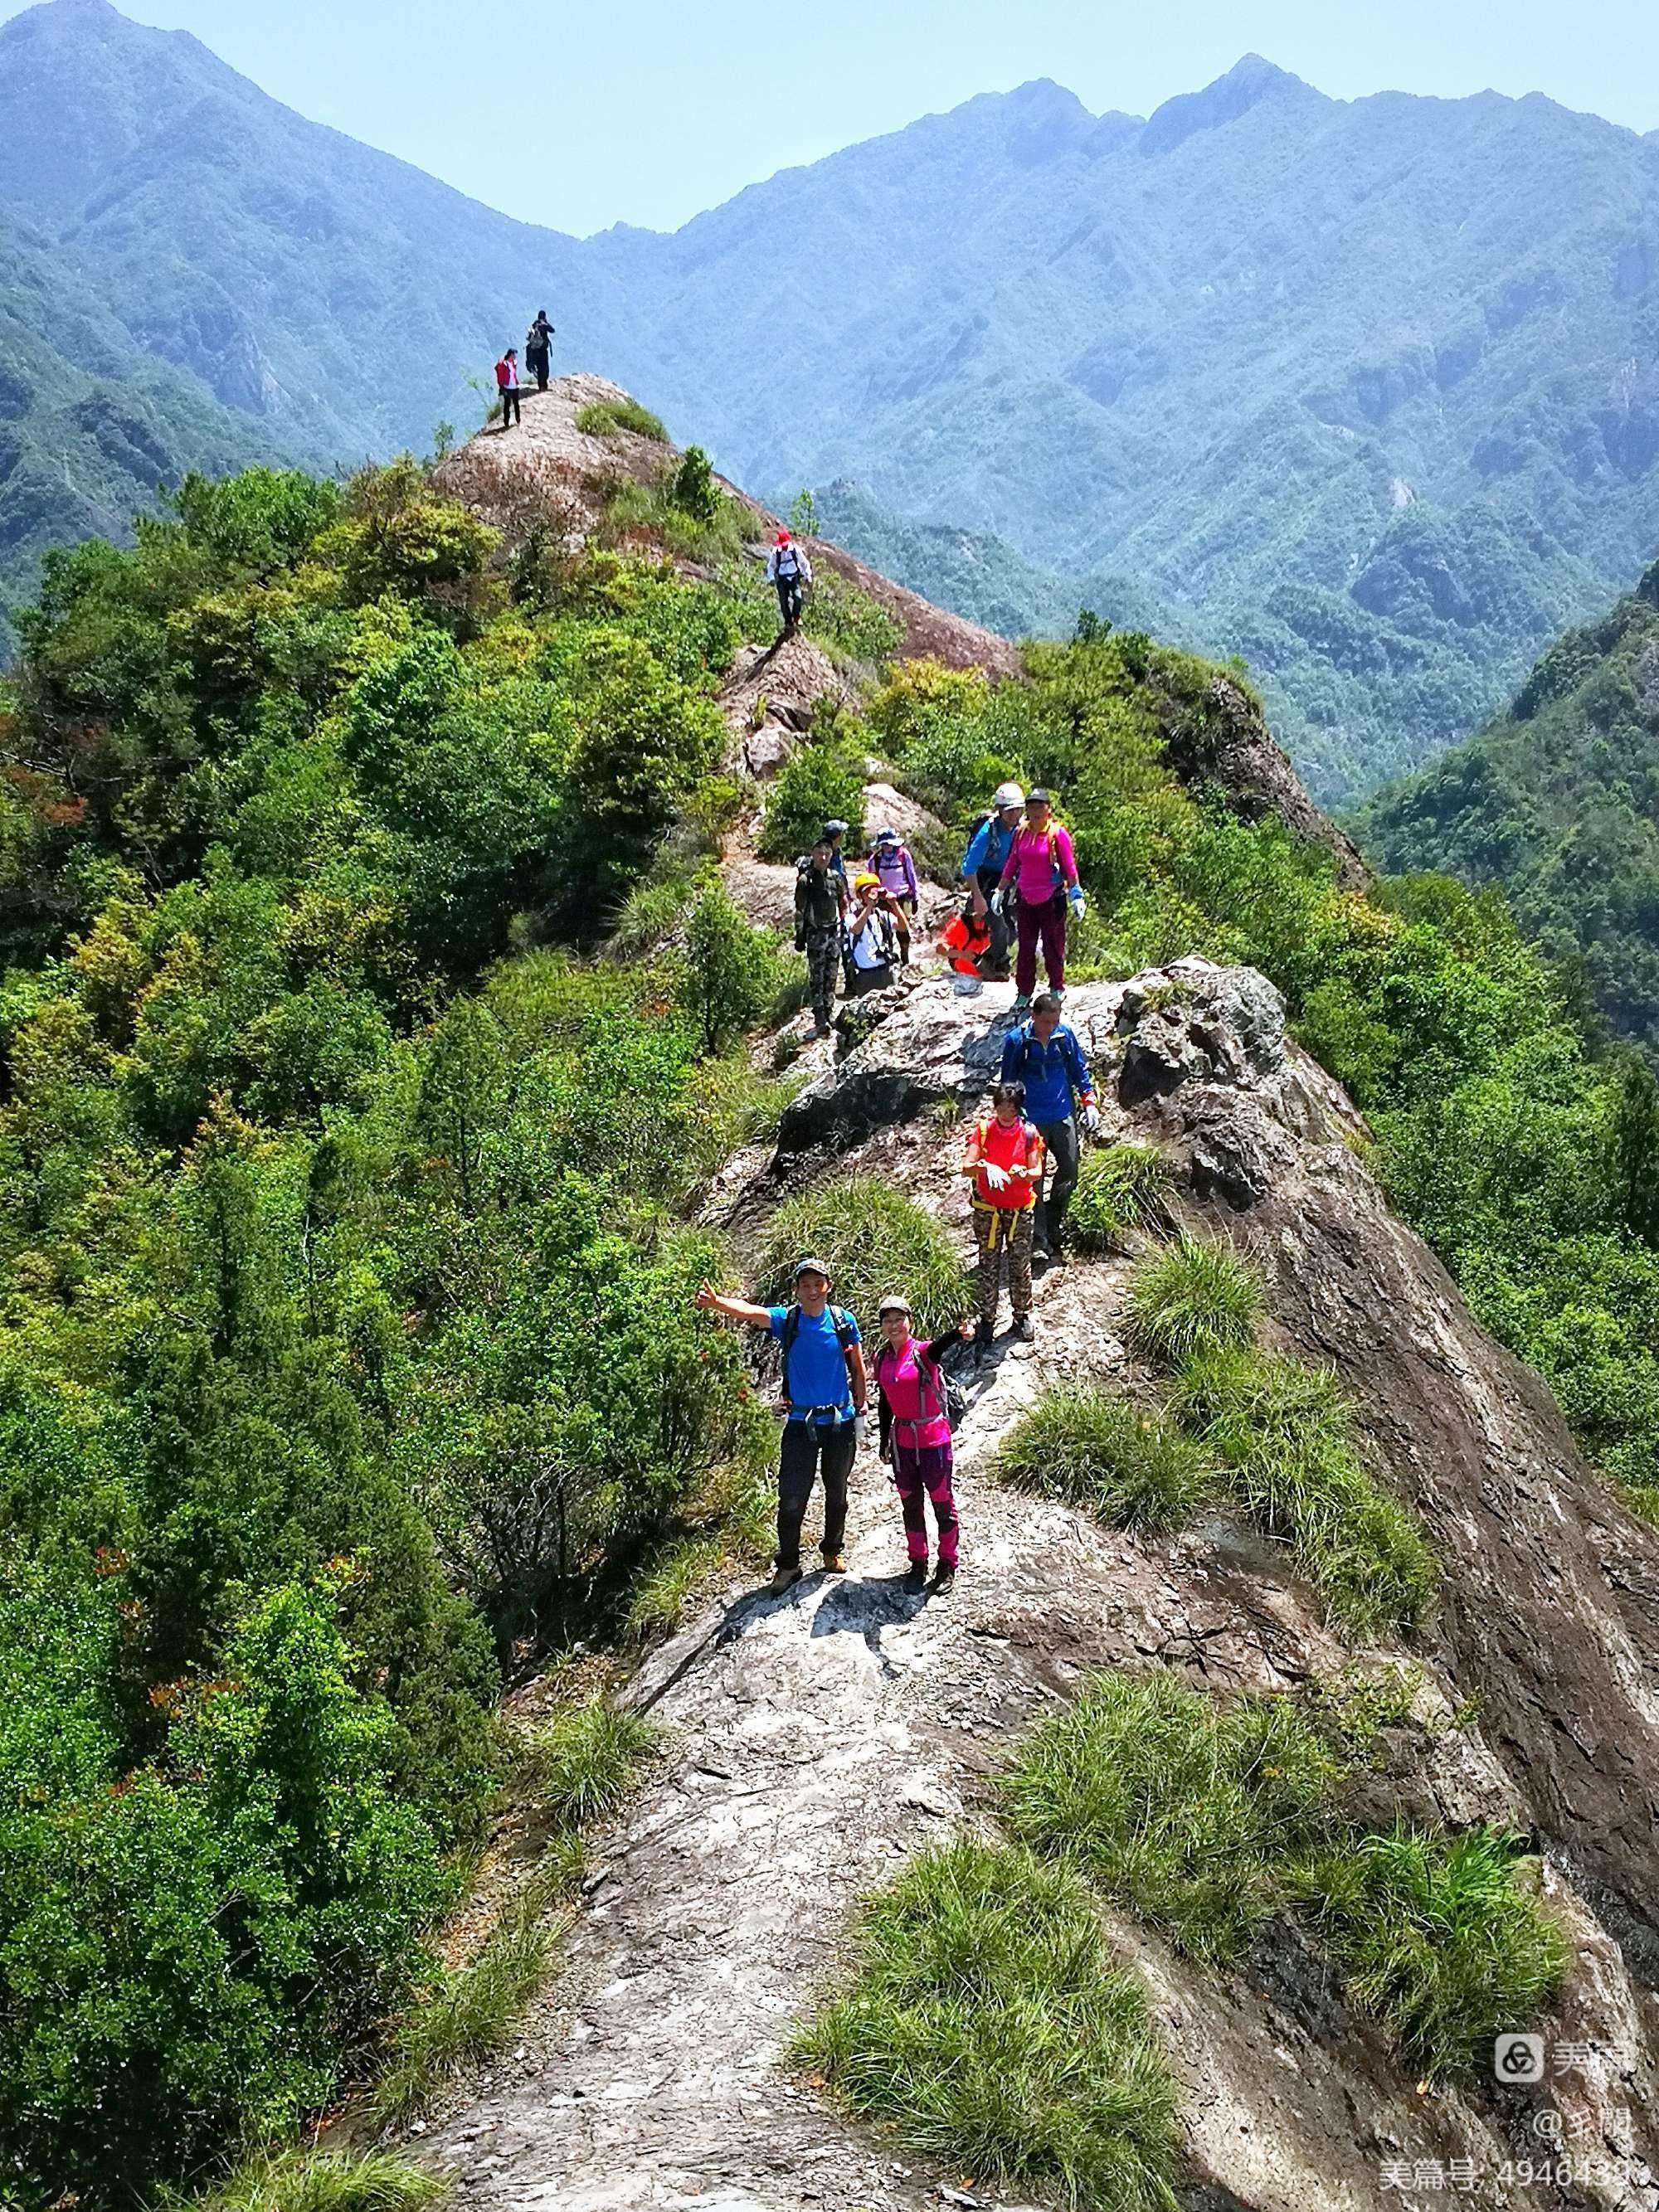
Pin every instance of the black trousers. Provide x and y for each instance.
(510, 412)
(540, 365)
(996, 960)
(789, 600)
(805, 1453)
(1061, 1139)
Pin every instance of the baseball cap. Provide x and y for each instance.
(809, 1266)
(893, 1304)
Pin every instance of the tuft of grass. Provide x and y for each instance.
(1104, 1454)
(987, 2024)
(1193, 1813)
(1443, 1939)
(664, 1589)
(637, 510)
(580, 1766)
(1120, 1188)
(321, 2181)
(604, 418)
(1191, 1297)
(467, 2015)
(1284, 1434)
(872, 1238)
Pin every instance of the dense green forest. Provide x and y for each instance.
(1558, 801)
(370, 1017)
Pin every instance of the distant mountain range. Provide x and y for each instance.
(1367, 392)
(1557, 800)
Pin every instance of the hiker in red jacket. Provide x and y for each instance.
(506, 383)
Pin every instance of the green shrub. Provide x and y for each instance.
(581, 1766)
(604, 418)
(731, 974)
(692, 487)
(873, 1239)
(817, 784)
(664, 1589)
(1443, 1939)
(1193, 1813)
(1283, 1433)
(1195, 1294)
(987, 2023)
(1120, 1188)
(1104, 1454)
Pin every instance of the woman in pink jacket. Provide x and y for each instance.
(916, 1437)
(1040, 876)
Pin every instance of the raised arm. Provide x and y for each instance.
(710, 1300)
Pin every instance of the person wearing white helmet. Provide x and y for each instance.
(989, 847)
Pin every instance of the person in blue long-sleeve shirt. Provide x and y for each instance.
(1045, 1054)
(981, 867)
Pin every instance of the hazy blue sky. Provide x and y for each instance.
(648, 111)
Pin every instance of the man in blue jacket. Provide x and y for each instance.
(982, 865)
(1045, 1054)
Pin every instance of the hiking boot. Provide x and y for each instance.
(785, 1579)
(915, 1579)
(1025, 1329)
(1022, 1004)
(834, 1563)
(944, 1580)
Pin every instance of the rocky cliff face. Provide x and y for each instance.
(815, 1740)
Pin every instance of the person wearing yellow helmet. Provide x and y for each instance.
(871, 934)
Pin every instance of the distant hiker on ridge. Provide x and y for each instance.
(824, 1396)
(1040, 875)
(982, 865)
(539, 348)
(788, 568)
(506, 384)
(821, 900)
(1045, 1054)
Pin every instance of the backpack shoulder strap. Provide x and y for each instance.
(843, 1323)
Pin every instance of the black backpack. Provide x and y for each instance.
(846, 1336)
(947, 1389)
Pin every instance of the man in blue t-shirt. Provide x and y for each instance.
(1045, 1054)
(824, 1392)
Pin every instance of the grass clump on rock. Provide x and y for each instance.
(319, 2181)
(986, 2023)
(1191, 1296)
(1120, 1188)
(1102, 1453)
(1442, 1939)
(872, 1239)
(1192, 1812)
(604, 418)
(1284, 1434)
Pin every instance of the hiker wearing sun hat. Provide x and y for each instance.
(913, 1406)
(788, 568)
(824, 1396)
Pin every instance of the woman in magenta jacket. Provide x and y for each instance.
(916, 1437)
(1040, 876)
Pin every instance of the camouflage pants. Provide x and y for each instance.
(997, 1229)
(822, 959)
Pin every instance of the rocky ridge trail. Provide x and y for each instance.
(545, 467)
(810, 1743)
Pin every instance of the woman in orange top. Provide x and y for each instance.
(1004, 1161)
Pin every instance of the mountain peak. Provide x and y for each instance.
(1249, 82)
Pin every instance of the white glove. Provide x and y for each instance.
(997, 901)
(861, 1422)
(1091, 1118)
(1080, 904)
(996, 1176)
